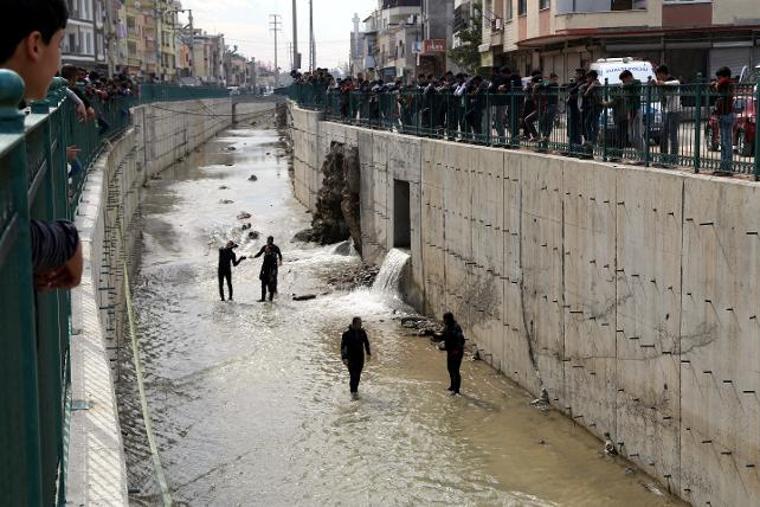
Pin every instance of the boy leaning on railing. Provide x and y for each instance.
(31, 32)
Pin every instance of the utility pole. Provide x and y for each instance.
(276, 26)
(192, 42)
(312, 45)
(295, 65)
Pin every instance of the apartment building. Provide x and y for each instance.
(208, 57)
(84, 41)
(691, 36)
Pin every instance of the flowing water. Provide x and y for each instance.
(388, 279)
(250, 401)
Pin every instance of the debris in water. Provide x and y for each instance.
(542, 442)
(306, 297)
(269, 153)
(253, 177)
(244, 215)
(224, 187)
(609, 446)
(246, 227)
(226, 201)
(229, 164)
(253, 235)
(629, 471)
(231, 148)
(542, 403)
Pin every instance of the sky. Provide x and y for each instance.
(245, 23)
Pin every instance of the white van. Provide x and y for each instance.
(610, 69)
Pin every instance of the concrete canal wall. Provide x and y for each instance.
(629, 294)
(161, 134)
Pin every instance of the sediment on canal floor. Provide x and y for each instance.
(627, 293)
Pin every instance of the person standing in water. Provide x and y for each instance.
(352, 347)
(453, 339)
(227, 259)
(268, 276)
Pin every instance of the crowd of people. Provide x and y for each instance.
(510, 109)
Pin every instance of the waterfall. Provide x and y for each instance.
(388, 280)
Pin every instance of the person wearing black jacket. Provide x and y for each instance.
(453, 339)
(575, 127)
(227, 259)
(268, 275)
(352, 346)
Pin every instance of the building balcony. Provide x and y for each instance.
(606, 20)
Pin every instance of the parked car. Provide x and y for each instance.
(745, 127)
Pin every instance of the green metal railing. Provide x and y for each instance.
(35, 183)
(644, 124)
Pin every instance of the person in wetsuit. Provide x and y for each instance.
(268, 276)
(227, 259)
(352, 347)
(453, 339)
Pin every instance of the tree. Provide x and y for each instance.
(467, 55)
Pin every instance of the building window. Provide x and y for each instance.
(543, 4)
(510, 10)
(571, 6)
(522, 7)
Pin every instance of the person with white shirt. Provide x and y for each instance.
(671, 114)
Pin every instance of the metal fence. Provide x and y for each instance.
(689, 126)
(36, 183)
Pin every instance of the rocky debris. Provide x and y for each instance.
(337, 211)
(253, 177)
(281, 117)
(609, 446)
(542, 403)
(422, 325)
(243, 215)
(343, 249)
(226, 201)
(362, 275)
(306, 297)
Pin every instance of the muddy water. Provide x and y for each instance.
(250, 401)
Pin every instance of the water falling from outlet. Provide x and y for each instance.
(388, 280)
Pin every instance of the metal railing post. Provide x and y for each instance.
(18, 363)
(605, 118)
(698, 126)
(757, 131)
(648, 124)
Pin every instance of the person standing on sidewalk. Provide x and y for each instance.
(671, 112)
(268, 275)
(453, 340)
(632, 95)
(352, 346)
(724, 109)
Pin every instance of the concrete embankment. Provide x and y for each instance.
(161, 134)
(629, 294)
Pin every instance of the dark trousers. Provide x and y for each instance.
(272, 286)
(222, 276)
(454, 363)
(355, 368)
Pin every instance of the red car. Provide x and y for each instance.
(745, 128)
